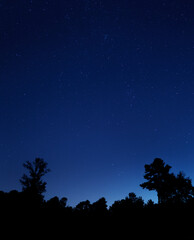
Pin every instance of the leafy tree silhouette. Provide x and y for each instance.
(83, 206)
(158, 178)
(55, 203)
(63, 202)
(99, 207)
(33, 185)
(150, 204)
(171, 189)
(126, 206)
(183, 189)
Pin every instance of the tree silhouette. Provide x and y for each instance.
(55, 203)
(158, 178)
(134, 201)
(183, 189)
(63, 202)
(83, 206)
(33, 186)
(150, 204)
(99, 207)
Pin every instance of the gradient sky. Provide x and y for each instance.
(98, 88)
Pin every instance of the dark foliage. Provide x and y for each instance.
(171, 189)
(158, 178)
(171, 216)
(33, 185)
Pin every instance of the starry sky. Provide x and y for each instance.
(98, 89)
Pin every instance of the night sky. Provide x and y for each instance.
(98, 89)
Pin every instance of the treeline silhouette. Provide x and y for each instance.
(175, 200)
(173, 191)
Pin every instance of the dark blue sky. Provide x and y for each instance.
(97, 88)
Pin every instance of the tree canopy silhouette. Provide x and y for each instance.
(33, 186)
(158, 178)
(170, 188)
(175, 198)
(183, 189)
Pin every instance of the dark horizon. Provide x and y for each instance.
(169, 219)
(98, 89)
(174, 191)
